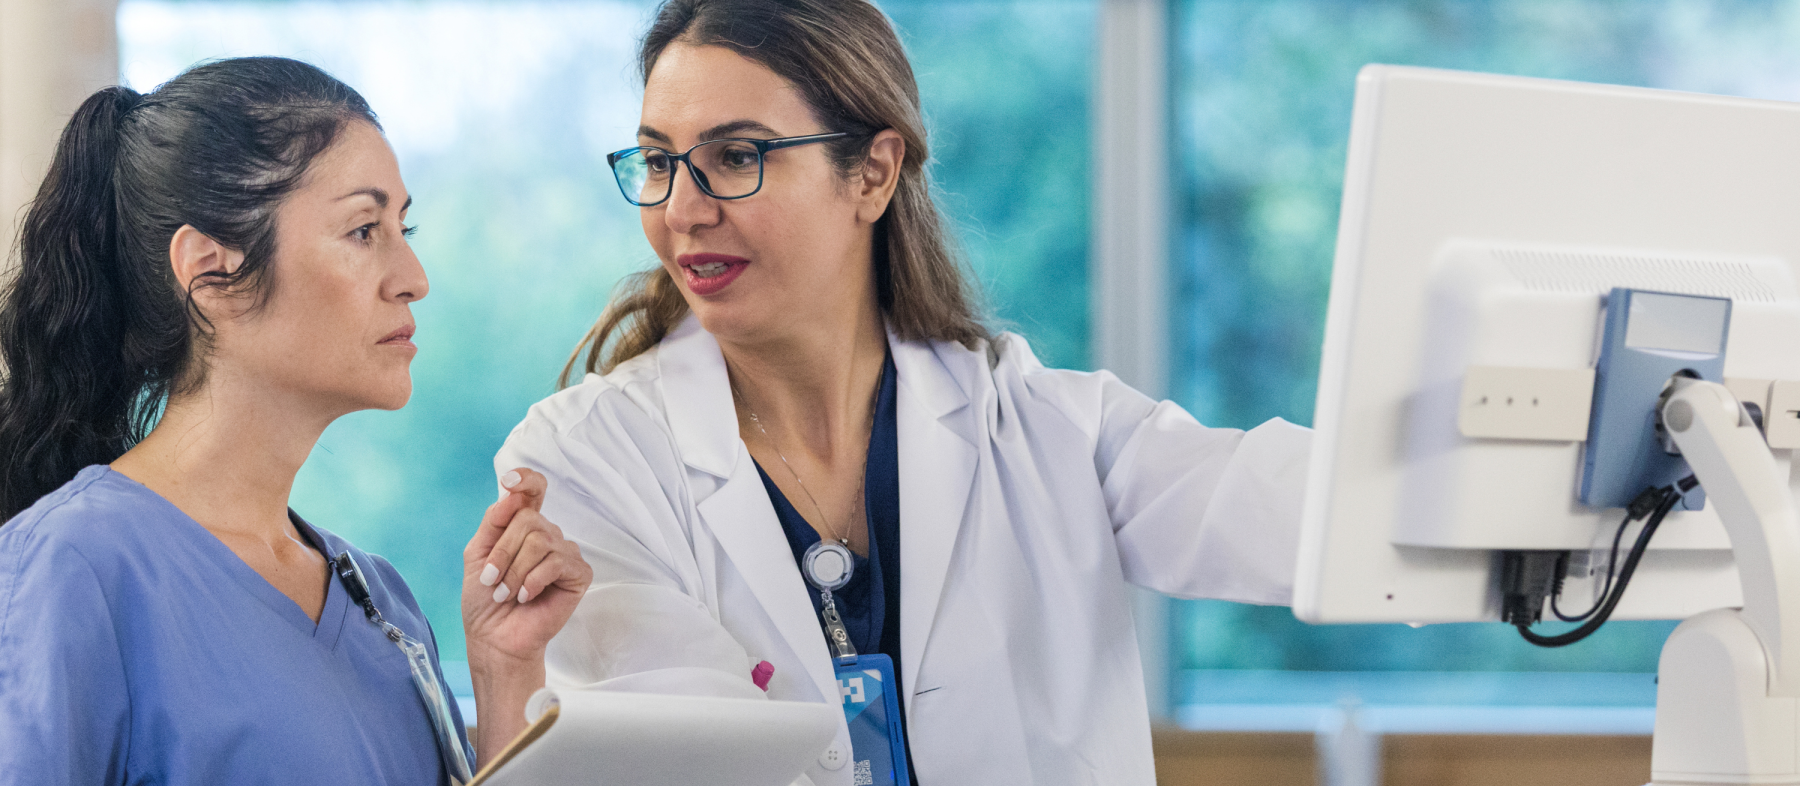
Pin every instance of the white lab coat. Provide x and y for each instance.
(1029, 497)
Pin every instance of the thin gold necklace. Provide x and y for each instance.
(862, 477)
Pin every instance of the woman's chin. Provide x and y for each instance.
(388, 397)
(398, 398)
(734, 323)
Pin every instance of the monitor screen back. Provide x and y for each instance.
(1484, 219)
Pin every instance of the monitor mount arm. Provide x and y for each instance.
(1728, 688)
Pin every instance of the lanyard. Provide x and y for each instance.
(424, 674)
(865, 682)
(827, 566)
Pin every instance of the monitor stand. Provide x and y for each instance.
(1728, 684)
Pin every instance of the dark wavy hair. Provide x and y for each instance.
(95, 332)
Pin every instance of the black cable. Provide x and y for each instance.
(1612, 569)
(1612, 564)
(1669, 497)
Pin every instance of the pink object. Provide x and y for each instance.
(761, 674)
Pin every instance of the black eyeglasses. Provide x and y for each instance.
(722, 168)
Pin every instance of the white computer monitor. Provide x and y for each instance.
(1484, 219)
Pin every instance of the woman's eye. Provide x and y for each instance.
(364, 232)
(657, 163)
(739, 157)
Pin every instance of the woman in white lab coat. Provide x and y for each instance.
(736, 407)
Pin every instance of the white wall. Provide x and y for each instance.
(53, 54)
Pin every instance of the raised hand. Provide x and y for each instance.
(521, 581)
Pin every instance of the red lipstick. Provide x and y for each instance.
(708, 274)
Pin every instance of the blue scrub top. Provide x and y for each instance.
(135, 647)
(870, 604)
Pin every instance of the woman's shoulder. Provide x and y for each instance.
(1005, 371)
(83, 546)
(617, 419)
(1003, 355)
(627, 389)
(97, 513)
(1007, 362)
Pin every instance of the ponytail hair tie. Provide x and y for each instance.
(125, 100)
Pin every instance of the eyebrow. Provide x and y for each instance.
(719, 131)
(379, 195)
(651, 133)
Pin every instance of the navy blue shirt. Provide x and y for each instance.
(870, 603)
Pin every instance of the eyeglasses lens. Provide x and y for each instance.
(729, 168)
(643, 175)
(726, 168)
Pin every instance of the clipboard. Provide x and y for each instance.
(519, 743)
(603, 737)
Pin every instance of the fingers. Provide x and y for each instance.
(562, 567)
(523, 488)
(493, 526)
(499, 559)
(528, 484)
(539, 540)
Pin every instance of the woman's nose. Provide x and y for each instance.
(409, 283)
(688, 207)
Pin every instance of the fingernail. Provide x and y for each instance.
(489, 575)
(511, 478)
(524, 595)
(501, 592)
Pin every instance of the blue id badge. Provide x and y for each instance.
(872, 708)
(865, 682)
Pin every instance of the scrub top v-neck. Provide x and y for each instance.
(135, 647)
(870, 603)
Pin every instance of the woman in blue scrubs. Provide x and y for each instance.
(209, 276)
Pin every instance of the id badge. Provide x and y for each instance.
(872, 707)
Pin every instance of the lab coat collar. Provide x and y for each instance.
(937, 432)
(697, 390)
(703, 418)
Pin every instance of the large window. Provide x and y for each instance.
(501, 114)
(1262, 91)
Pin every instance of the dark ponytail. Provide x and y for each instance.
(95, 332)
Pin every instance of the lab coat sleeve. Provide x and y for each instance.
(1198, 512)
(644, 624)
(64, 707)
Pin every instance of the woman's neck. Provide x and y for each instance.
(813, 388)
(226, 455)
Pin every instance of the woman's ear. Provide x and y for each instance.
(880, 175)
(194, 256)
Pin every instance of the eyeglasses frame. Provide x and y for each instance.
(763, 146)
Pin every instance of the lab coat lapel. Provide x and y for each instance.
(697, 392)
(937, 433)
(738, 513)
